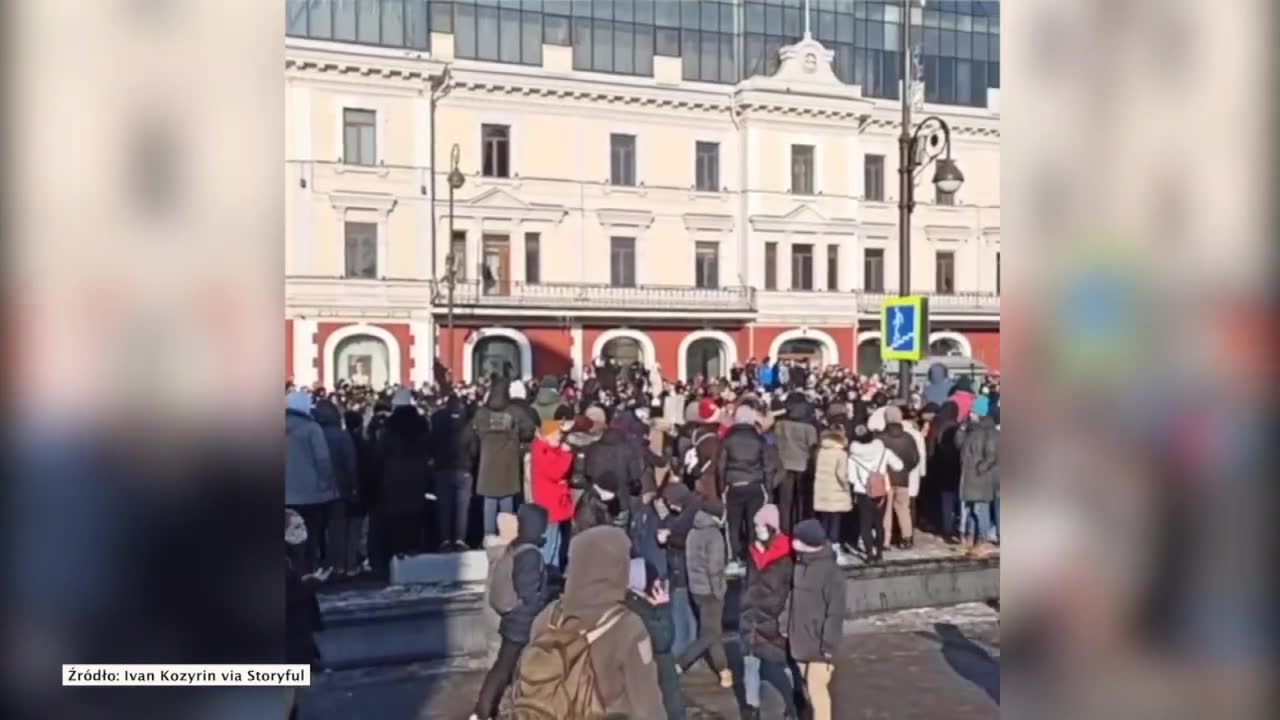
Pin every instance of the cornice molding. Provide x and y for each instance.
(378, 202)
(610, 218)
(707, 222)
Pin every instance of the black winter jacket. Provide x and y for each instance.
(528, 575)
(614, 453)
(402, 457)
(450, 442)
(765, 602)
(817, 606)
(904, 446)
(679, 524)
(342, 449)
(743, 458)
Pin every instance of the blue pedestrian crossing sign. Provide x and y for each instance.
(904, 328)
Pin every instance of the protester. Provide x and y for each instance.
(895, 438)
(547, 400)
(705, 558)
(700, 468)
(939, 387)
(649, 600)
(452, 453)
(302, 617)
(979, 461)
(682, 509)
(741, 465)
(962, 395)
(358, 508)
(816, 621)
(342, 458)
(832, 494)
(869, 456)
(497, 431)
(797, 438)
(550, 463)
(764, 643)
(623, 671)
(944, 469)
(309, 486)
(910, 423)
(403, 454)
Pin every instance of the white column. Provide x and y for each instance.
(422, 352)
(305, 352)
(575, 334)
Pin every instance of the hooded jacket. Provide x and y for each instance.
(944, 453)
(769, 577)
(939, 386)
(623, 657)
(979, 459)
(705, 557)
(342, 449)
(403, 456)
(680, 525)
(528, 575)
(449, 437)
(616, 453)
(797, 436)
(308, 469)
(903, 445)
(816, 619)
(497, 430)
(831, 490)
(549, 466)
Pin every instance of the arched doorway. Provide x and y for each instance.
(946, 347)
(498, 355)
(706, 357)
(362, 360)
(624, 351)
(869, 361)
(801, 349)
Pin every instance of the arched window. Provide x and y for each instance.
(496, 356)
(869, 362)
(362, 360)
(947, 347)
(706, 357)
(802, 349)
(624, 351)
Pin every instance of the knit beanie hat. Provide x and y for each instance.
(707, 410)
(768, 517)
(810, 533)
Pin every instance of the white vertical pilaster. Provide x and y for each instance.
(575, 335)
(305, 352)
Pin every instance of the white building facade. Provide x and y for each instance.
(648, 212)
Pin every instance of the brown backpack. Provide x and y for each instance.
(555, 679)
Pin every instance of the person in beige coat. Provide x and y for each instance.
(832, 495)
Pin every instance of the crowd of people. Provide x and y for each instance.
(646, 496)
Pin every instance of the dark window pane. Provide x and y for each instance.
(710, 21)
(393, 23)
(361, 250)
(531, 39)
(295, 17)
(555, 30)
(464, 34)
(602, 51)
(726, 17)
(344, 19)
(581, 44)
(689, 53)
(320, 19)
(773, 19)
(644, 12)
(644, 51)
(509, 36)
(689, 15)
(728, 68)
(993, 74)
(367, 21)
(708, 57)
(623, 48)
(623, 10)
(771, 266)
(833, 267)
(791, 23)
(754, 62)
(487, 33)
(666, 13)
(532, 258)
(668, 43)
(755, 18)
(441, 14)
(602, 9)
(873, 177)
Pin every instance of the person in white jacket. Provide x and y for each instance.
(867, 455)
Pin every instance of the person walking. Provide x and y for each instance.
(308, 478)
(705, 557)
(895, 438)
(764, 643)
(452, 452)
(797, 439)
(403, 455)
(868, 456)
(518, 592)
(979, 454)
(742, 467)
(497, 431)
(832, 494)
(816, 621)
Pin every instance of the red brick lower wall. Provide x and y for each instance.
(986, 346)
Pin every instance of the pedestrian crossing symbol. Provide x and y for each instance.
(903, 327)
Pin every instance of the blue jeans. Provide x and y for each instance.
(493, 506)
(551, 548)
(995, 519)
(949, 513)
(686, 628)
(776, 674)
(982, 517)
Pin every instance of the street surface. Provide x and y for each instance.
(928, 663)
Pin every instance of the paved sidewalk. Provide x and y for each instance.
(930, 663)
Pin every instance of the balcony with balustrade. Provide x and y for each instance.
(475, 297)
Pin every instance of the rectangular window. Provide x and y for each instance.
(771, 266)
(622, 262)
(496, 143)
(458, 255)
(873, 177)
(358, 144)
(944, 198)
(833, 267)
(802, 169)
(997, 273)
(944, 281)
(706, 269)
(532, 258)
(801, 267)
(873, 270)
(622, 159)
(707, 166)
(362, 250)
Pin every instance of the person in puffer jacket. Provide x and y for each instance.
(308, 478)
(744, 465)
(705, 559)
(832, 495)
(342, 454)
(797, 438)
(816, 614)
(764, 644)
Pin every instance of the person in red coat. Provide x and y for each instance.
(550, 463)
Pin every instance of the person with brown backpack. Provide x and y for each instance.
(869, 463)
(590, 657)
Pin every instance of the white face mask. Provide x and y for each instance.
(296, 533)
(762, 534)
(604, 494)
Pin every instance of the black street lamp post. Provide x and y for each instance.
(916, 149)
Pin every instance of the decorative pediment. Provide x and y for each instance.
(377, 202)
(708, 223)
(804, 85)
(804, 219)
(498, 204)
(637, 220)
